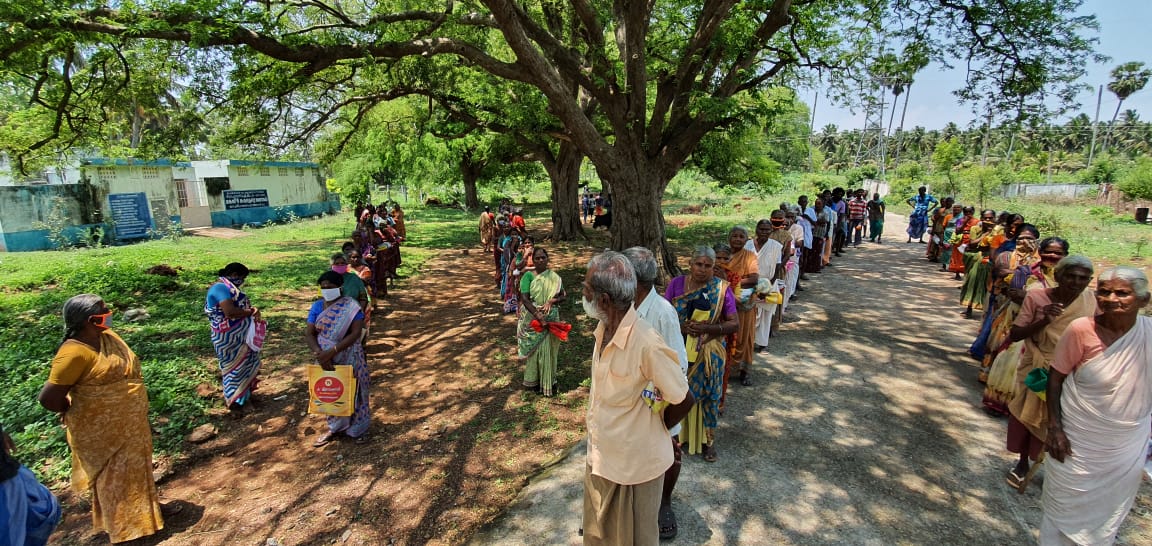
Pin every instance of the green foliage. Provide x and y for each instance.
(945, 158)
(1103, 171)
(858, 175)
(57, 222)
(691, 184)
(980, 183)
(1136, 181)
(816, 182)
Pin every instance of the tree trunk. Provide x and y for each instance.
(471, 173)
(564, 174)
(637, 219)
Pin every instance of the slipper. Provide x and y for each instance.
(1031, 473)
(667, 521)
(324, 439)
(709, 453)
(171, 509)
(745, 379)
(1014, 479)
(361, 440)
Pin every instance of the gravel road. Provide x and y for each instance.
(863, 427)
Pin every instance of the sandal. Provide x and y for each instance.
(324, 439)
(1014, 480)
(171, 509)
(1031, 473)
(667, 521)
(362, 439)
(709, 453)
(745, 379)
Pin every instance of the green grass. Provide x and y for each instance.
(173, 345)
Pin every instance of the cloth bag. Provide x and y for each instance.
(331, 392)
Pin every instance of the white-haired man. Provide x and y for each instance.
(628, 447)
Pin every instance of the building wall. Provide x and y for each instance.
(155, 181)
(292, 188)
(23, 207)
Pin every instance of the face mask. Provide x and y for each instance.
(1027, 246)
(105, 320)
(330, 294)
(591, 310)
(341, 269)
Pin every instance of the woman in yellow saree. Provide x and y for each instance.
(707, 310)
(541, 293)
(96, 384)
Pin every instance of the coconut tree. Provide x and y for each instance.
(1127, 79)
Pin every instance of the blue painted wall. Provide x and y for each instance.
(259, 216)
(37, 239)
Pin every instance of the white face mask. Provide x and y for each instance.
(591, 310)
(330, 294)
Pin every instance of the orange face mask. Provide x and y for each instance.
(105, 320)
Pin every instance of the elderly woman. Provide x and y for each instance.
(541, 293)
(707, 310)
(1044, 315)
(743, 262)
(96, 385)
(333, 335)
(1001, 386)
(1010, 272)
(1100, 407)
(230, 316)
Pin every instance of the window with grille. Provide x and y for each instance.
(181, 194)
(241, 171)
(150, 172)
(282, 171)
(265, 171)
(106, 173)
(299, 171)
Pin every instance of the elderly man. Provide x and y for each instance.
(768, 251)
(628, 446)
(657, 312)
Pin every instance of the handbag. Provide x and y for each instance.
(331, 392)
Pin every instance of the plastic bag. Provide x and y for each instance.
(257, 331)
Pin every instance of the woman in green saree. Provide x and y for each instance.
(707, 309)
(541, 291)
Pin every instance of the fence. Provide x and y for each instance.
(1025, 191)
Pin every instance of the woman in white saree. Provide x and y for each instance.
(1099, 398)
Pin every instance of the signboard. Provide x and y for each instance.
(130, 215)
(245, 199)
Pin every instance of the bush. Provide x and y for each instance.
(1136, 181)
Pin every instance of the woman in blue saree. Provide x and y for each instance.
(230, 316)
(334, 325)
(707, 309)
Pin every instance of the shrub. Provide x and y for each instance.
(1136, 181)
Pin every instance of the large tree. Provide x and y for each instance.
(661, 75)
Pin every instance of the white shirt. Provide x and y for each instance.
(658, 312)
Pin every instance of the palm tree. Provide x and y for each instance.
(1127, 79)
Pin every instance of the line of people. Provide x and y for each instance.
(1067, 366)
(680, 352)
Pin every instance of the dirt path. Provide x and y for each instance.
(449, 445)
(864, 427)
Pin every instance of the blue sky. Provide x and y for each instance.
(1123, 28)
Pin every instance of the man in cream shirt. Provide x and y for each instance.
(658, 312)
(628, 446)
